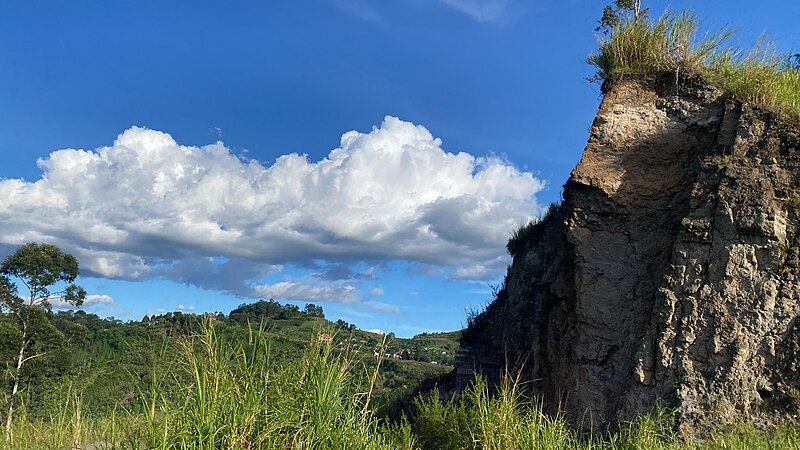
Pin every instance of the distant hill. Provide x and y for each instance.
(109, 363)
(291, 322)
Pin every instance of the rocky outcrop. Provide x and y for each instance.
(669, 272)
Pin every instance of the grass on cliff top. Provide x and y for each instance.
(640, 45)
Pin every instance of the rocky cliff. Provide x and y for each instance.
(669, 272)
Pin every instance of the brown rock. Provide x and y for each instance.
(669, 271)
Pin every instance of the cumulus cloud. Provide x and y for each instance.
(290, 290)
(147, 207)
(343, 271)
(482, 271)
(377, 292)
(184, 308)
(91, 301)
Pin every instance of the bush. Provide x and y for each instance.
(530, 232)
(505, 421)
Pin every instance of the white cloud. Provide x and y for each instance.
(483, 271)
(91, 301)
(148, 207)
(98, 299)
(482, 10)
(320, 292)
(184, 308)
(383, 307)
(377, 292)
(477, 271)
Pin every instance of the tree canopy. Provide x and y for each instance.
(40, 267)
(614, 13)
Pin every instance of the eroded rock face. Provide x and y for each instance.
(668, 273)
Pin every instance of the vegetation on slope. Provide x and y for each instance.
(107, 362)
(267, 376)
(637, 44)
(529, 233)
(238, 398)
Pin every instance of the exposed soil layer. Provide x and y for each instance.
(670, 271)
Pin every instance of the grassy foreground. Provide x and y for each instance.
(236, 398)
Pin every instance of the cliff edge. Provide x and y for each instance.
(668, 274)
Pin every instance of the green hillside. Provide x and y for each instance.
(109, 363)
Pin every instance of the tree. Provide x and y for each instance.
(313, 310)
(345, 325)
(614, 14)
(39, 267)
(8, 293)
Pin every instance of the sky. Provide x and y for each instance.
(371, 157)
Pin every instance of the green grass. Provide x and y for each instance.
(761, 76)
(239, 400)
(526, 234)
(232, 395)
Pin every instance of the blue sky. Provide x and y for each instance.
(182, 182)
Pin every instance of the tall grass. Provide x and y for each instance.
(508, 421)
(233, 397)
(762, 76)
(641, 45)
(63, 430)
(526, 234)
(483, 421)
(238, 400)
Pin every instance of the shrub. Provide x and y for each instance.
(530, 232)
(504, 421)
(444, 426)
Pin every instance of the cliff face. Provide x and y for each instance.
(670, 271)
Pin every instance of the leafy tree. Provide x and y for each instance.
(289, 311)
(345, 325)
(39, 267)
(614, 14)
(313, 310)
(8, 293)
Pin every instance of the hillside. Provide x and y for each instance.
(110, 362)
